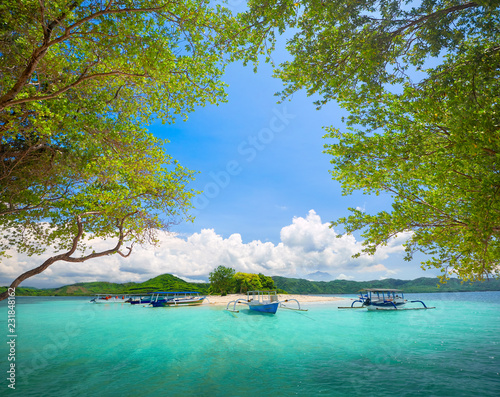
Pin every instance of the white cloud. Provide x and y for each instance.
(344, 277)
(306, 245)
(374, 268)
(387, 273)
(362, 209)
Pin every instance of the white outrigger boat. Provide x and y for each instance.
(384, 299)
(110, 298)
(264, 302)
(172, 299)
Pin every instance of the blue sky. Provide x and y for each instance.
(260, 163)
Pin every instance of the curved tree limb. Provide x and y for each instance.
(76, 83)
(66, 257)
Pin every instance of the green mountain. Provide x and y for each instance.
(423, 284)
(164, 282)
(167, 282)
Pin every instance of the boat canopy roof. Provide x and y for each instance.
(381, 290)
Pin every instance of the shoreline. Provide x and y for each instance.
(217, 300)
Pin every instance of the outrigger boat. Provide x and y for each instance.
(263, 301)
(384, 299)
(139, 299)
(182, 298)
(110, 298)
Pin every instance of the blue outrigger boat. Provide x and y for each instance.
(384, 299)
(173, 299)
(263, 302)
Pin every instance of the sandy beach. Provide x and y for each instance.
(224, 300)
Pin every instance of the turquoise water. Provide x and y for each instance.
(69, 347)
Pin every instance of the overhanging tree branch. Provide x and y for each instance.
(66, 257)
(79, 81)
(8, 98)
(437, 14)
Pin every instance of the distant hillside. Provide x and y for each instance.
(423, 284)
(164, 282)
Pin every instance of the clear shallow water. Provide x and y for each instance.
(69, 347)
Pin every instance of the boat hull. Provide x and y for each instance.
(386, 306)
(264, 308)
(140, 302)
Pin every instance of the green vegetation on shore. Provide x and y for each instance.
(167, 282)
(225, 280)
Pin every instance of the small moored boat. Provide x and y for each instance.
(172, 299)
(384, 299)
(263, 301)
(110, 298)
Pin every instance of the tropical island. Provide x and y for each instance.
(168, 282)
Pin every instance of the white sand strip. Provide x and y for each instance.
(224, 300)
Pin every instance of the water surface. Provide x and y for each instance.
(70, 347)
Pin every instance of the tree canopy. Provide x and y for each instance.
(421, 82)
(245, 282)
(79, 80)
(222, 280)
